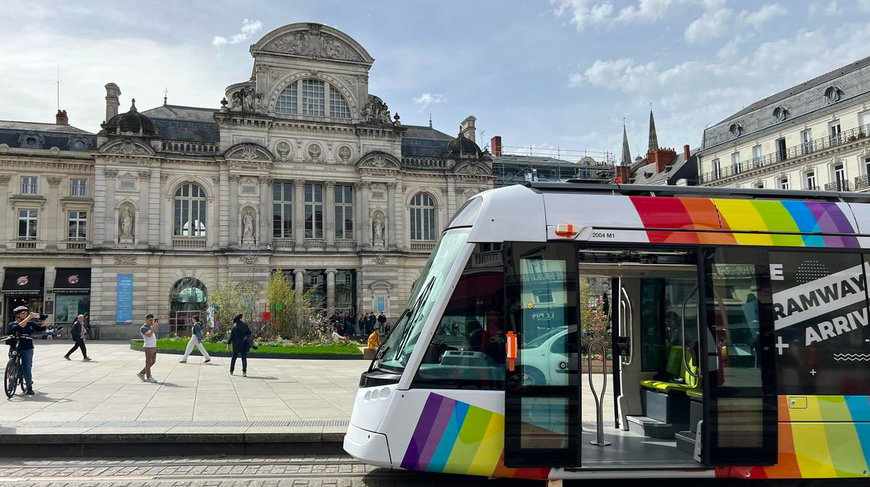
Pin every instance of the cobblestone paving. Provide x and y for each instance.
(298, 471)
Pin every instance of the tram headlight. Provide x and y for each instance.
(368, 396)
(385, 393)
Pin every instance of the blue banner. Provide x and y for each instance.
(124, 302)
(381, 304)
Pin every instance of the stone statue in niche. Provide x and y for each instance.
(376, 111)
(247, 100)
(378, 230)
(126, 224)
(247, 228)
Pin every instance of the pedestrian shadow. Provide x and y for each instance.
(261, 378)
(169, 384)
(41, 397)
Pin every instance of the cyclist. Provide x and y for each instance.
(25, 323)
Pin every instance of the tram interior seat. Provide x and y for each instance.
(665, 403)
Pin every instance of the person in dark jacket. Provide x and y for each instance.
(78, 332)
(382, 320)
(241, 339)
(195, 341)
(25, 323)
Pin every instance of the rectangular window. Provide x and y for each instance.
(28, 184)
(783, 183)
(78, 188)
(313, 210)
(661, 315)
(759, 185)
(867, 165)
(807, 141)
(78, 225)
(717, 169)
(781, 149)
(312, 97)
(343, 211)
(337, 104)
(282, 209)
(27, 220)
(811, 180)
(840, 177)
(834, 132)
(287, 100)
(864, 122)
(735, 162)
(757, 157)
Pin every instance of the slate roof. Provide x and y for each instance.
(423, 141)
(679, 168)
(193, 124)
(47, 135)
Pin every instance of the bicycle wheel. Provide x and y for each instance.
(11, 377)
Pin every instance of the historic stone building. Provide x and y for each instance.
(813, 136)
(300, 169)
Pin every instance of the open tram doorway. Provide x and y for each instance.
(690, 380)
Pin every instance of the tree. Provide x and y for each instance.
(225, 302)
(292, 315)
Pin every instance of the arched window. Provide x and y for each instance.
(423, 217)
(287, 100)
(189, 211)
(188, 297)
(313, 98)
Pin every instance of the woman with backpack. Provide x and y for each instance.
(241, 339)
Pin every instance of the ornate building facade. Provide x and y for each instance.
(300, 169)
(813, 136)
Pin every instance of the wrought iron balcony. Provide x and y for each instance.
(793, 152)
(862, 182)
(837, 186)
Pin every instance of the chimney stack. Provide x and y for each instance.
(495, 145)
(112, 101)
(686, 152)
(467, 128)
(61, 118)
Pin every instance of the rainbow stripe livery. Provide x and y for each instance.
(787, 223)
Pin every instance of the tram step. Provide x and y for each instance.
(685, 442)
(653, 428)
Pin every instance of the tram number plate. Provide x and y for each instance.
(607, 235)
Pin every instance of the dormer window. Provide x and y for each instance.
(736, 130)
(313, 98)
(833, 94)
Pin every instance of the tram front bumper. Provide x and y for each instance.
(367, 446)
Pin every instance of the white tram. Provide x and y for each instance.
(735, 323)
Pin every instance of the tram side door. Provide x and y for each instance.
(542, 402)
(738, 367)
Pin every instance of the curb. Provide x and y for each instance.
(258, 355)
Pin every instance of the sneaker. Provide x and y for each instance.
(207, 360)
(151, 379)
(66, 357)
(141, 376)
(29, 391)
(86, 359)
(182, 361)
(244, 374)
(231, 372)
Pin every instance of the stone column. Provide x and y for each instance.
(299, 284)
(157, 233)
(4, 214)
(392, 217)
(450, 207)
(233, 217)
(365, 221)
(299, 212)
(265, 190)
(109, 221)
(330, 291)
(54, 221)
(224, 220)
(140, 220)
(399, 215)
(329, 208)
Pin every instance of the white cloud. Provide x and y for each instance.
(588, 13)
(249, 28)
(427, 99)
(864, 6)
(763, 15)
(712, 24)
(830, 8)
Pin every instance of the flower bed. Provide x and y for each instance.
(277, 349)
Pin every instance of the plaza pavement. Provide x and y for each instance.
(105, 397)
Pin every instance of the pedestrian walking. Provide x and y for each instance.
(195, 341)
(382, 320)
(149, 345)
(241, 339)
(78, 332)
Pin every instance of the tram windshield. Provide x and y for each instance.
(401, 342)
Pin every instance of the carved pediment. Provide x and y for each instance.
(248, 152)
(472, 169)
(316, 42)
(379, 160)
(127, 147)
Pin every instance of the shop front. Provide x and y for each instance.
(72, 294)
(22, 286)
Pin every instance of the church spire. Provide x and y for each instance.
(653, 138)
(626, 153)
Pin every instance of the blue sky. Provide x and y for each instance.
(547, 74)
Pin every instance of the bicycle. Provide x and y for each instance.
(13, 376)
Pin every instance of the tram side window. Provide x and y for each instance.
(821, 321)
(468, 348)
(662, 313)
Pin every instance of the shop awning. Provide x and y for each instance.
(23, 281)
(72, 281)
